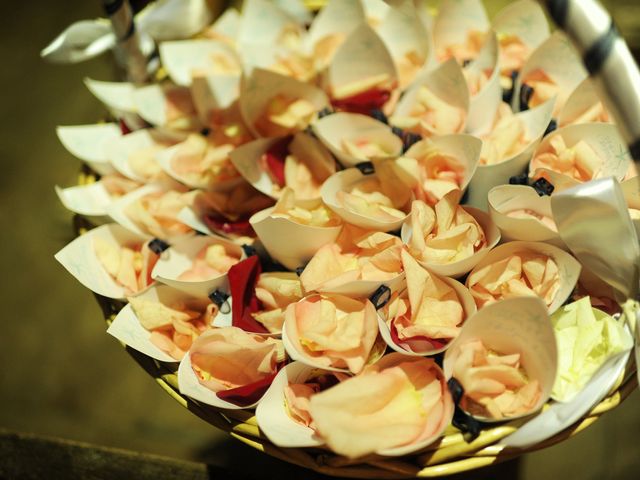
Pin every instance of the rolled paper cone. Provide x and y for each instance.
(609, 61)
(343, 181)
(483, 106)
(599, 208)
(122, 148)
(461, 267)
(80, 259)
(272, 416)
(631, 192)
(117, 96)
(404, 34)
(504, 199)
(333, 129)
(290, 243)
(183, 58)
(514, 325)
(464, 148)
(91, 200)
(129, 43)
(180, 257)
(80, 41)
(486, 177)
(264, 22)
(523, 19)
(603, 138)
(152, 104)
(456, 19)
(375, 11)
(365, 288)
(127, 328)
(263, 86)
(213, 93)
(446, 81)
(339, 17)
(173, 20)
(296, 9)
(226, 26)
(560, 62)
(582, 99)
(362, 56)
(568, 267)
(190, 386)
(190, 217)
(89, 142)
(468, 306)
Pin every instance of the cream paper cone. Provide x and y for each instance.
(583, 98)
(365, 288)
(603, 138)
(403, 33)
(456, 19)
(459, 268)
(175, 18)
(226, 26)
(183, 58)
(483, 106)
(507, 198)
(362, 56)
(246, 159)
(333, 129)
(151, 104)
(296, 9)
(446, 81)
(272, 416)
(193, 219)
(515, 325)
(557, 58)
(127, 328)
(190, 386)
(120, 150)
(180, 257)
(486, 177)
(568, 267)
(288, 242)
(91, 200)
(524, 19)
(337, 17)
(264, 22)
(375, 11)
(464, 148)
(117, 96)
(80, 259)
(89, 142)
(468, 306)
(343, 181)
(631, 192)
(213, 93)
(262, 86)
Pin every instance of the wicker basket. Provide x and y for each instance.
(454, 453)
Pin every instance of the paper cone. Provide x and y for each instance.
(288, 242)
(80, 259)
(459, 268)
(226, 26)
(120, 150)
(581, 100)
(456, 19)
(603, 138)
(403, 33)
(483, 106)
(486, 177)
(446, 81)
(91, 200)
(296, 9)
(507, 198)
(117, 96)
(127, 328)
(515, 325)
(333, 129)
(184, 58)
(213, 93)
(272, 416)
(468, 306)
(344, 181)
(464, 148)
(263, 22)
(524, 19)
(362, 56)
(557, 58)
(193, 219)
(263, 86)
(180, 257)
(375, 11)
(631, 192)
(89, 142)
(152, 104)
(568, 267)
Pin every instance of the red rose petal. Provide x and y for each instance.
(243, 278)
(274, 160)
(363, 102)
(219, 223)
(247, 394)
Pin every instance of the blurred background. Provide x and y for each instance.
(61, 374)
